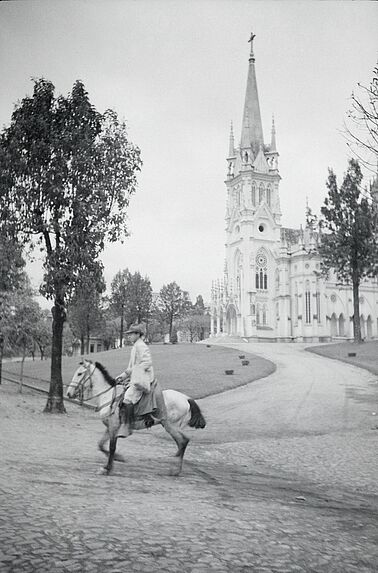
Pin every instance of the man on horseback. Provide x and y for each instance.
(139, 374)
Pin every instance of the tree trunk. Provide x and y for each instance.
(55, 402)
(88, 334)
(22, 368)
(121, 331)
(356, 309)
(170, 328)
(82, 346)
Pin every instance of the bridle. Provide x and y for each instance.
(88, 376)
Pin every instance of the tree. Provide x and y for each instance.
(42, 333)
(11, 267)
(199, 305)
(118, 298)
(68, 173)
(349, 242)
(85, 309)
(195, 324)
(138, 299)
(131, 298)
(362, 123)
(173, 303)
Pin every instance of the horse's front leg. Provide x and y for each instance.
(102, 442)
(112, 448)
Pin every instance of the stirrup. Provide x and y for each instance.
(124, 431)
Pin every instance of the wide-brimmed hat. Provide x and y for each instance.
(137, 328)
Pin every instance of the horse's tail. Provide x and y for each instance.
(196, 419)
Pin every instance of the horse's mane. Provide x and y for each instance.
(109, 379)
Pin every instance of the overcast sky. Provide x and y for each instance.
(176, 71)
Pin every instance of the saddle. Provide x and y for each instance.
(144, 409)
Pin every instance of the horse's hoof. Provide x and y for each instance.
(175, 469)
(173, 472)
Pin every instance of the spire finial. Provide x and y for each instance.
(252, 55)
(273, 138)
(231, 151)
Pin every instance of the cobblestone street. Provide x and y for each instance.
(263, 488)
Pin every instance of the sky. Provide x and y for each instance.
(176, 71)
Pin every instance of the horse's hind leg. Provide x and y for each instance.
(182, 442)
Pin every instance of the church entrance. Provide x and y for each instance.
(231, 320)
(333, 325)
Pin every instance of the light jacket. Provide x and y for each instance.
(140, 367)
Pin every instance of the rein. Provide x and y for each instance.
(82, 383)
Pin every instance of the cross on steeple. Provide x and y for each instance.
(252, 55)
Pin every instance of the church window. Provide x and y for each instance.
(308, 302)
(258, 314)
(296, 303)
(261, 271)
(264, 315)
(261, 228)
(261, 193)
(269, 195)
(253, 194)
(318, 306)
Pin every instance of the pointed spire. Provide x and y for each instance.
(231, 149)
(273, 145)
(252, 133)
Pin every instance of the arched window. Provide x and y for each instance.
(269, 195)
(308, 302)
(264, 315)
(258, 314)
(253, 194)
(261, 270)
(261, 193)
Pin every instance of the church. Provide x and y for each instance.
(272, 288)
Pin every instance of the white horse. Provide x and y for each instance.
(178, 411)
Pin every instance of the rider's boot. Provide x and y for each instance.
(126, 413)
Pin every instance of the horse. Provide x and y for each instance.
(181, 410)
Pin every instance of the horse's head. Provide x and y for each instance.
(82, 375)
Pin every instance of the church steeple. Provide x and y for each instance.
(251, 133)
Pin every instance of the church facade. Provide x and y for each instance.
(272, 288)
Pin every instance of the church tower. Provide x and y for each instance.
(253, 221)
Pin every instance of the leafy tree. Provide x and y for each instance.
(131, 298)
(85, 309)
(42, 333)
(362, 123)
(173, 303)
(118, 298)
(139, 298)
(199, 305)
(349, 243)
(195, 324)
(67, 176)
(11, 269)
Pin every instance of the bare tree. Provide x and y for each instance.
(361, 127)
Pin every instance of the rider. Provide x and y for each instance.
(139, 374)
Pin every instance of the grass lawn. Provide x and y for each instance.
(190, 368)
(366, 353)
